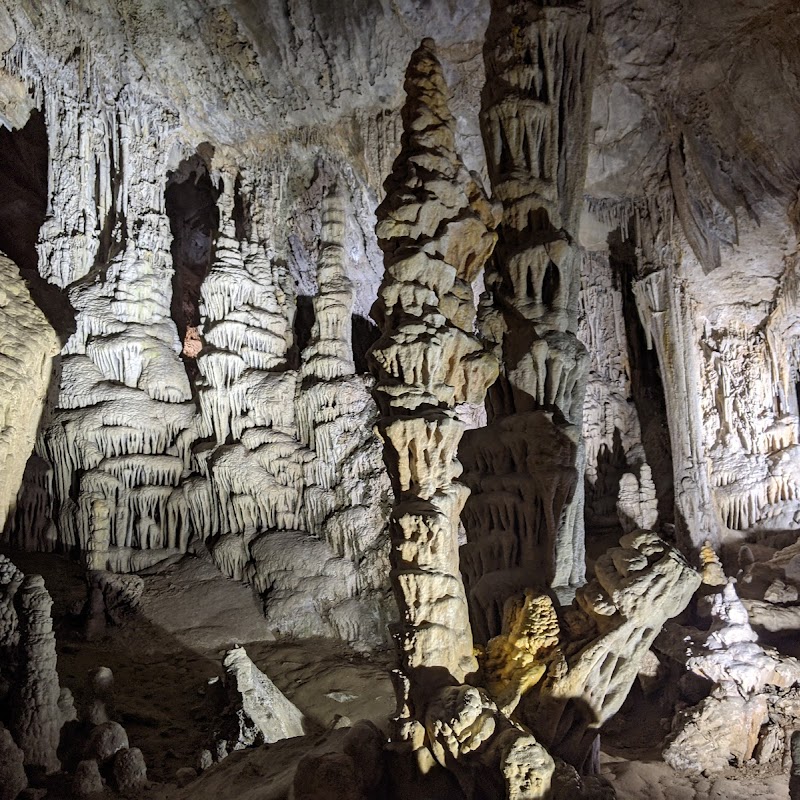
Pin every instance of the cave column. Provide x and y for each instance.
(534, 120)
(436, 229)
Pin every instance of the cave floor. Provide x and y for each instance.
(167, 658)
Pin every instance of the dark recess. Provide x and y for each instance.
(648, 391)
(23, 207)
(191, 204)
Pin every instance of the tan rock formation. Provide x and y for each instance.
(436, 230)
(27, 347)
(573, 678)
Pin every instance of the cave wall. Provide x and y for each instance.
(168, 436)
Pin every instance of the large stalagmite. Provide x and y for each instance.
(525, 515)
(436, 230)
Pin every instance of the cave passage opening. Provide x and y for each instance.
(24, 163)
(191, 205)
(646, 385)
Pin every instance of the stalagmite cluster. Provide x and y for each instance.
(197, 411)
(135, 465)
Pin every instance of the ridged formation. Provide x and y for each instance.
(330, 351)
(526, 468)
(36, 718)
(436, 228)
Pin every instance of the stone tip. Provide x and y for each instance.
(428, 43)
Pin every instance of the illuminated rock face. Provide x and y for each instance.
(567, 675)
(27, 347)
(261, 453)
(246, 428)
(436, 228)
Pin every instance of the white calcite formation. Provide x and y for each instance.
(36, 719)
(27, 347)
(750, 684)
(142, 458)
(105, 243)
(134, 465)
(436, 230)
(526, 468)
(290, 479)
(615, 457)
(259, 712)
(729, 392)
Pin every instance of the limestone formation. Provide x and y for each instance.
(713, 574)
(130, 772)
(10, 580)
(436, 230)
(146, 457)
(27, 345)
(105, 741)
(570, 678)
(517, 659)
(747, 679)
(611, 429)
(526, 468)
(330, 351)
(87, 780)
(36, 717)
(187, 212)
(12, 769)
(100, 705)
(637, 506)
(258, 711)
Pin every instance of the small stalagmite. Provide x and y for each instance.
(36, 718)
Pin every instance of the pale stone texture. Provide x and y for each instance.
(260, 712)
(36, 717)
(436, 229)
(27, 347)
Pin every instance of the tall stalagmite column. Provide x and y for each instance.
(330, 353)
(436, 228)
(526, 470)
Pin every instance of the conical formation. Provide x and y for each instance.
(436, 228)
